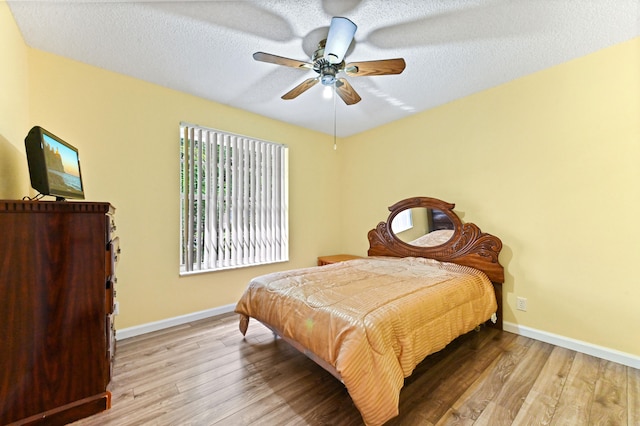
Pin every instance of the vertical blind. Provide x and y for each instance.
(234, 200)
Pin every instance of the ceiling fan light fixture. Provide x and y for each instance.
(328, 80)
(327, 92)
(341, 34)
(328, 74)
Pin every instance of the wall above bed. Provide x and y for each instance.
(534, 161)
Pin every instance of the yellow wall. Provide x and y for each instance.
(127, 134)
(550, 163)
(14, 175)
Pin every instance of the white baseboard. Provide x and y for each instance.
(137, 330)
(554, 339)
(575, 345)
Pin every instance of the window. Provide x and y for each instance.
(402, 221)
(234, 200)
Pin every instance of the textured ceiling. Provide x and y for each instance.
(453, 48)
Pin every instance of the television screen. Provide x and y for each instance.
(54, 165)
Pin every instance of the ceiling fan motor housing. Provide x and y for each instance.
(326, 70)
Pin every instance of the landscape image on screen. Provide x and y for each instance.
(62, 166)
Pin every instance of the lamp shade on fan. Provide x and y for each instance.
(341, 34)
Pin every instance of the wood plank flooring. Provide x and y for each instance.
(205, 373)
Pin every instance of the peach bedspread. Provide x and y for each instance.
(372, 319)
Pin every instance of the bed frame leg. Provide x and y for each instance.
(244, 324)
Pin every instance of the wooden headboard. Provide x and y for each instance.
(468, 245)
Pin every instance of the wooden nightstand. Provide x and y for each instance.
(327, 260)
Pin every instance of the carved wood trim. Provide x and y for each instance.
(468, 246)
(32, 206)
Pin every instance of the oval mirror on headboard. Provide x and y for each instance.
(428, 227)
(422, 227)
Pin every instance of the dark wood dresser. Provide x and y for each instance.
(57, 276)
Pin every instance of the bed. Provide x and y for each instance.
(371, 321)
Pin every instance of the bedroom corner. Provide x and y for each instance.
(14, 110)
(548, 163)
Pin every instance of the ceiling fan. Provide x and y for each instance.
(328, 62)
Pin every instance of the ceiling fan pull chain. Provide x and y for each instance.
(335, 144)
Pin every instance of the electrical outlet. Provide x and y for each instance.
(521, 304)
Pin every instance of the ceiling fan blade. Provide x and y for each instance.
(381, 67)
(300, 88)
(279, 60)
(347, 92)
(339, 39)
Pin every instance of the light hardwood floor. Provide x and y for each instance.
(205, 373)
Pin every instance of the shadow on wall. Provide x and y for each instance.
(14, 172)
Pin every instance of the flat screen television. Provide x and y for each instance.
(54, 165)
